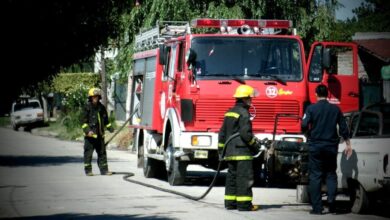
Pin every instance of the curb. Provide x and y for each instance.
(36, 131)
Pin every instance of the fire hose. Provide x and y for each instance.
(127, 176)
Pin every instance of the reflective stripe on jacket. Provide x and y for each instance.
(95, 119)
(237, 119)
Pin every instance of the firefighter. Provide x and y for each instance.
(94, 122)
(320, 121)
(239, 151)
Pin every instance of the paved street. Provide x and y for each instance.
(43, 178)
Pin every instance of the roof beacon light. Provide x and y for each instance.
(218, 23)
(206, 23)
(282, 24)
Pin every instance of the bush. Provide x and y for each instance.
(4, 121)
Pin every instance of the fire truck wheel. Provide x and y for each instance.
(140, 156)
(149, 167)
(176, 170)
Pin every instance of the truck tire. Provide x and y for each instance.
(140, 157)
(176, 170)
(140, 151)
(149, 167)
(359, 199)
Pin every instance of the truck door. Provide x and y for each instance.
(336, 66)
(168, 77)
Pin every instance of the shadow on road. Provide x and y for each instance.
(76, 216)
(16, 161)
(204, 178)
(378, 208)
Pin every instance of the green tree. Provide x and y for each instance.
(314, 20)
(373, 15)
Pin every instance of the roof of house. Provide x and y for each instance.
(375, 43)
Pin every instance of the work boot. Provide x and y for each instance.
(332, 208)
(314, 212)
(89, 173)
(107, 173)
(255, 207)
(231, 207)
(252, 208)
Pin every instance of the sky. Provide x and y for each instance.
(346, 12)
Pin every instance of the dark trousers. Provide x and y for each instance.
(239, 182)
(97, 144)
(322, 165)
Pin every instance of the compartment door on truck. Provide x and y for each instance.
(168, 83)
(335, 65)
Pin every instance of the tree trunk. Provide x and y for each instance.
(103, 77)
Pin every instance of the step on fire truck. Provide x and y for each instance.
(183, 82)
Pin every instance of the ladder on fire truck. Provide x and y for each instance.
(164, 30)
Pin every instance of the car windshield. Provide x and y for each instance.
(26, 105)
(244, 57)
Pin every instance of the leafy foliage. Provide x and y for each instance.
(373, 15)
(314, 20)
(74, 87)
(71, 82)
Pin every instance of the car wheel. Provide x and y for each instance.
(359, 199)
(15, 127)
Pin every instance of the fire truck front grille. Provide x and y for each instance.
(267, 110)
(210, 113)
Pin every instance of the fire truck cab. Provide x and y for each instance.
(183, 83)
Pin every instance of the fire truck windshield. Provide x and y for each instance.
(247, 57)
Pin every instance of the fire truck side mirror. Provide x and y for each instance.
(326, 59)
(162, 55)
(190, 57)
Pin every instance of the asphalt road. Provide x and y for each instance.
(43, 178)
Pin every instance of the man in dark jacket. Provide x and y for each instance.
(239, 151)
(94, 122)
(321, 121)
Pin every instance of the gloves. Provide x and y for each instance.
(257, 145)
(220, 158)
(267, 143)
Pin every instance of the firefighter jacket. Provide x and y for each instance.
(244, 146)
(95, 119)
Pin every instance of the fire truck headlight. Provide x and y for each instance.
(293, 139)
(198, 140)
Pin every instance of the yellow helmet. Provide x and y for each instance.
(244, 91)
(94, 92)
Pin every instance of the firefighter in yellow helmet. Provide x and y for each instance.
(94, 122)
(239, 151)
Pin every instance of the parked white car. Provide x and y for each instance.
(366, 174)
(26, 112)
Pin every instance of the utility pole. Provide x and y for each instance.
(103, 77)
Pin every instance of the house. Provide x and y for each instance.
(374, 53)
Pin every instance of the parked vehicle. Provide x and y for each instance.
(366, 174)
(26, 112)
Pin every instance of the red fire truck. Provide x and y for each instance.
(183, 82)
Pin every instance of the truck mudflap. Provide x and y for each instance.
(287, 162)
